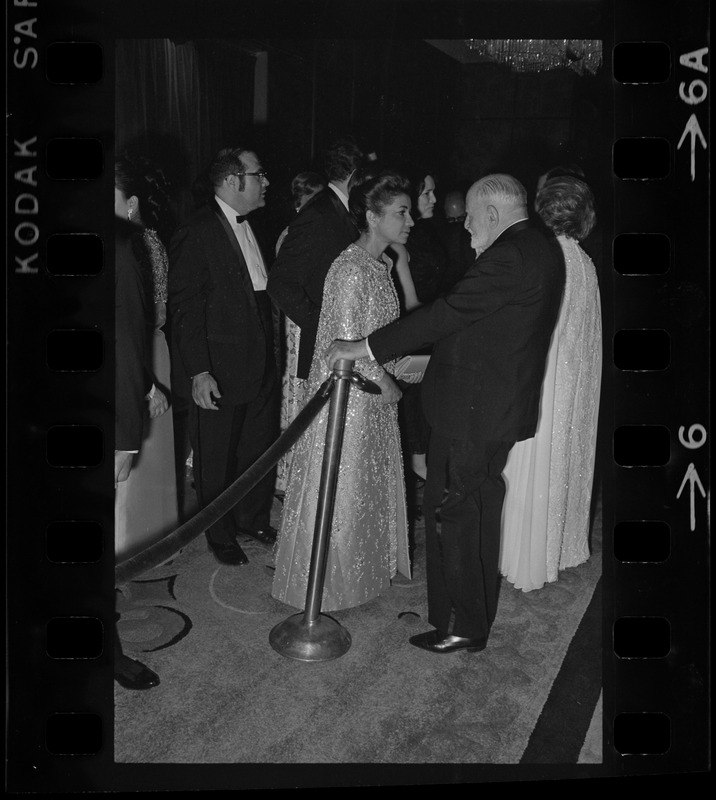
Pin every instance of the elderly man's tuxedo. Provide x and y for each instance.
(480, 394)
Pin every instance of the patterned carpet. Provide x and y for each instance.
(226, 697)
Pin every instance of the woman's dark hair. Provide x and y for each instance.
(373, 192)
(416, 174)
(304, 185)
(137, 175)
(566, 205)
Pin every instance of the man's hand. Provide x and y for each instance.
(202, 387)
(122, 465)
(158, 403)
(390, 391)
(349, 350)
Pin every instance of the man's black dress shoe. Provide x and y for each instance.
(133, 674)
(228, 553)
(266, 536)
(435, 642)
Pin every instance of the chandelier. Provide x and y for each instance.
(539, 55)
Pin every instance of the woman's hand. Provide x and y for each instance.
(389, 390)
(158, 403)
(400, 250)
(122, 466)
(402, 270)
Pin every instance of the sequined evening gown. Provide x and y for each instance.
(369, 536)
(549, 477)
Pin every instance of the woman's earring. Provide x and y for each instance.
(130, 211)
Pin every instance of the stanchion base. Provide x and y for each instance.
(321, 639)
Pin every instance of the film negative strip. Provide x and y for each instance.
(654, 423)
(660, 448)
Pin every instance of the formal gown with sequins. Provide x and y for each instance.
(368, 541)
(549, 477)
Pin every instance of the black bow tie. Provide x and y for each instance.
(240, 219)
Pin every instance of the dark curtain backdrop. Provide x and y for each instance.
(181, 101)
(527, 122)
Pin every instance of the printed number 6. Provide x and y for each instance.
(693, 443)
(693, 98)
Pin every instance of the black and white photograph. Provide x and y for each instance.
(384, 319)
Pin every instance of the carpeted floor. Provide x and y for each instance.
(533, 696)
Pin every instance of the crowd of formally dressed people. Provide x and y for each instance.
(496, 431)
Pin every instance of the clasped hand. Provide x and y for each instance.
(158, 403)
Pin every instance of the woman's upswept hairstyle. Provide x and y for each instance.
(373, 192)
(571, 170)
(566, 205)
(139, 176)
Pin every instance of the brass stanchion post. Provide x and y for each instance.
(312, 636)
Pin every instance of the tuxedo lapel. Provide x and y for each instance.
(237, 268)
(341, 213)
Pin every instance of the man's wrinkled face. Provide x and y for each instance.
(477, 223)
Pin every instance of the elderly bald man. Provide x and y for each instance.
(481, 391)
(454, 206)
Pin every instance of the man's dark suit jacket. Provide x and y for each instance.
(133, 382)
(216, 324)
(491, 337)
(320, 232)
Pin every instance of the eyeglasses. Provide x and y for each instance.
(262, 176)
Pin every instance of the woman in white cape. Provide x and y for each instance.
(546, 516)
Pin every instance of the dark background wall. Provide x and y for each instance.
(398, 97)
(525, 123)
(183, 99)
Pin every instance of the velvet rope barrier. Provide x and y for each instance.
(162, 550)
(156, 553)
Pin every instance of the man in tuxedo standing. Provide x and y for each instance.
(222, 323)
(480, 394)
(318, 234)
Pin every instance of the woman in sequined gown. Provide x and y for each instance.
(549, 478)
(368, 541)
(146, 506)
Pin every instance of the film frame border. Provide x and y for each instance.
(639, 207)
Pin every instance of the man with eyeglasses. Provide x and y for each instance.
(223, 327)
